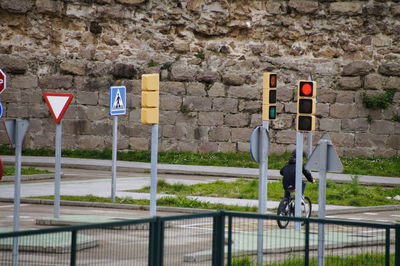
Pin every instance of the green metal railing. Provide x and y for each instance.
(217, 238)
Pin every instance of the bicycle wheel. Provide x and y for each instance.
(306, 207)
(283, 210)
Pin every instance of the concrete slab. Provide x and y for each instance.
(49, 243)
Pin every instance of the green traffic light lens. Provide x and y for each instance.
(272, 112)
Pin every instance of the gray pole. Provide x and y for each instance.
(299, 172)
(153, 181)
(17, 187)
(262, 192)
(114, 159)
(57, 171)
(309, 143)
(323, 155)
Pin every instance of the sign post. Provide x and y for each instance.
(58, 104)
(323, 159)
(117, 107)
(16, 130)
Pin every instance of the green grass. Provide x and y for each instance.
(361, 259)
(179, 201)
(360, 165)
(352, 194)
(10, 171)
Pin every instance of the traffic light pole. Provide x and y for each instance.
(299, 171)
(262, 192)
(153, 180)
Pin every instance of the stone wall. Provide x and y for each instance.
(210, 56)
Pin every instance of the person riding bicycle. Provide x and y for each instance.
(289, 175)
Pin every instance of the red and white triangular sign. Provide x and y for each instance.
(58, 103)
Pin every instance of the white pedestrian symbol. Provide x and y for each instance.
(118, 104)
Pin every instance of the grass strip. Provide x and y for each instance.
(179, 201)
(352, 194)
(360, 165)
(10, 171)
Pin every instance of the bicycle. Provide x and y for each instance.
(286, 208)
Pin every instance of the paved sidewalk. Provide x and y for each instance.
(186, 169)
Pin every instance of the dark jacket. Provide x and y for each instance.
(289, 174)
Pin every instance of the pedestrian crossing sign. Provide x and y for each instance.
(118, 100)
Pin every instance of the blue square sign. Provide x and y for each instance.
(117, 100)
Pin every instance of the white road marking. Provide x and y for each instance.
(370, 213)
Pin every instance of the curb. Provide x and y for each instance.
(186, 210)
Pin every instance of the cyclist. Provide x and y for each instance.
(289, 175)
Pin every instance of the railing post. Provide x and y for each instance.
(156, 242)
(397, 245)
(218, 239)
(73, 247)
(387, 247)
(307, 243)
(229, 240)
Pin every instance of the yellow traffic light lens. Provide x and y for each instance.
(272, 96)
(272, 81)
(306, 89)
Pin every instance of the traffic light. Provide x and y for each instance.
(269, 96)
(306, 105)
(150, 98)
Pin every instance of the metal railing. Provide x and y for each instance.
(214, 238)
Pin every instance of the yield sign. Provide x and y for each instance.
(58, 104)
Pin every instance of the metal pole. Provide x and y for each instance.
(57, 171)
(323, 155)
(17, 187)
(309, 143)
(153, 181)
(114, 159)
(299, 172)
(262, 192)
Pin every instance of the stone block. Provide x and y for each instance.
(344, 111)
(189, 119)
(237, 120)
(201, 133)
(285, 137)
(31, 96)
(87, 97)
(389, 69)
(174, 88)
(217, 90)
(285, 94)
(283, 121)
(345, 97)
(243, 146)
(393, 83)
(219, 134)
(356, 151)
(56, 82)
(23, 82)
(211, 118)
(355, 125)
(342, 139)
(165, 117)
(250, 106)
(182, 72)
(181, 47)
(16, 6)
(13, 64)
(395, 9)
(349, 83)
(323, 109)
(170, 102)
(196, 89)
(187, 146)
(194, 103)
(49, 6)
(346, 8)
(241, 134)
(233, 78)
(373, 81)
(394, 142)
(91, 142)
(227, 105)
(73, 67)
(328, 124)
(124, 71)
(370, 140)
(92, 112)
(382, 127)
(357, 68)
(208, 76)
(226, 147)
(376, 9)
(326, 96)
(244, 92)
(76, 127)
(291, 108)
(208, 147)
(304, 7)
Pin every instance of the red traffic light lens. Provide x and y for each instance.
(306, 89)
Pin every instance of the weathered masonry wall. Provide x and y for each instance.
(210, 56)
